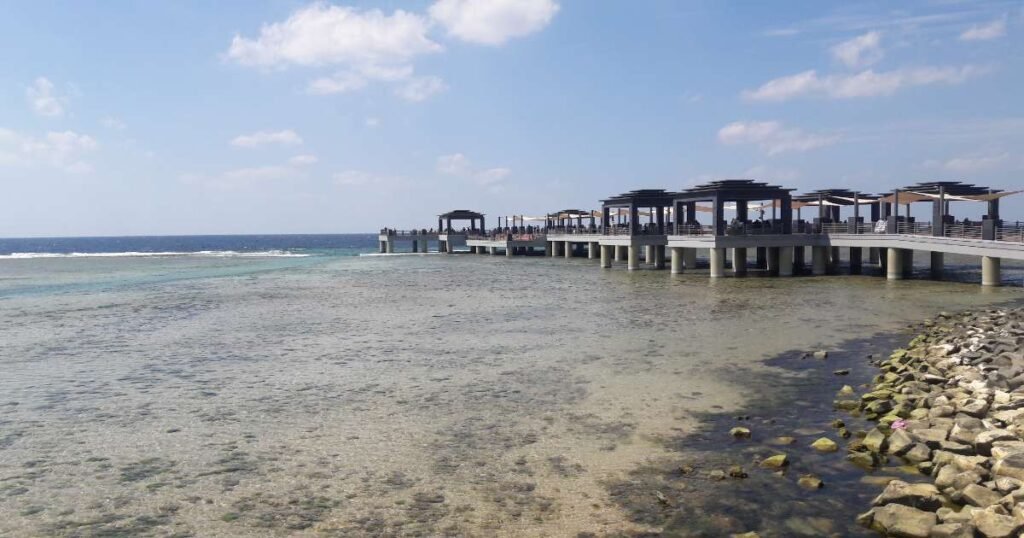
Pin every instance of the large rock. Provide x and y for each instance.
(777, 461)
(979, 496)
(993, 525)
(984, 440)
(1011, 466)
(899, 442)
(930, 436)
(952, 530)
(899, 520)
(875, 441)
(918, 453)
(922, 496)
(825, 444)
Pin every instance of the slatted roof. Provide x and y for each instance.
(955, 188)
(641, 198)
(834, 196)
(461, 214)
(734, 190)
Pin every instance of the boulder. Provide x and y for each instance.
(809, 481)
(899, 442)
(922, 496)
(918, 453)
(984, 440)
(825, 444)
(739, 432)
(952, 530)
(1012, 466)
(777, 461)
(994, 525)
(930, 436)
(979, 496)
(875, 441)
(899, 520)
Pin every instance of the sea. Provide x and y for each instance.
(284, 385)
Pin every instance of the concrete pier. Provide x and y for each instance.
(990, 273)
(621, 253)
(856, 260)
(558, 248)
(761, 258)
(894, 264)
(391, 247)
(819, 260)
(937, 264)
(873, 257)
(659, 257)
(773, 260)
(739, 261)
(833, 260)
(677, 260)
(633, 262)
(690, 258)
(798, 258)
(717, 262)
(785, 261)
(593, 250)
(567, 249)
(908, 262)
(606, 256)
(510, 251)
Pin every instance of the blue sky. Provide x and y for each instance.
(131, 118)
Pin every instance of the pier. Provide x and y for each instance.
(648, 227)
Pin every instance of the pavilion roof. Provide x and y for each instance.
(835, 197)
(734, 189)
(460, 214)
(955, 188)
(641, 198)
(571, 213)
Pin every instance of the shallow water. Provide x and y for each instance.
(403, 395)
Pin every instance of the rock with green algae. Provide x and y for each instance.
(783, 440)
(825, 444)
(864, 460)
(809, 481)
(875, 441)
(899, 520)
(778, 461)
(739, 432)
(846, 390)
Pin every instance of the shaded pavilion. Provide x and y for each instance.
(740, 191)
(657, 202)
(831, 201)
(444, 220)
(566, 217)
(940, 194)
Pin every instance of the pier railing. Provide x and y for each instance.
(407, 233)
(963, 231)
(914, 228)
(1013, 233)
(693, 229)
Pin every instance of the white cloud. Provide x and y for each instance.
(64, 150)
(323, 34)
(861, 51)
(338, 83)
(421, 89)
(976, 162)
(286, 137)
(459, 165)
(111, 122)
(372, 122)
(492, 22)
(772, 137)
(866, 83)
(985, 32)
(359, 179)
(455, 164)
(303, 160)
(43, 100)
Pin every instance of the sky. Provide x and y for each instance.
(230, 117)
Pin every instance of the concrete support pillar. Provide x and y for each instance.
(383, 247)
(548, 248)
(761, 258)
(990, 271)
(567, 249)
(785, 261)
(649, 254)
(510, 251)
(391, 247)
(773, 260)
(620, 253)
(798, 258)
(717, 262)
(938, 261)
(739, 261)
(593, 250)
(833, 259)
(494, 250)
(873, 257)
(894, 264)
(659, 256)
(557, 249)
(424, 246)
(677, 260)
(856, 260)
(690, 258)
(819, 260)
(908, 262)
(633, 263)
(606, 256)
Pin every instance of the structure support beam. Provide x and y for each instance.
(937, 264)
(677, 260)
(633, 262)
(690, 258)
(567, 249)
(739, 261)
(761, 258)
(717, 262)
(593, 250)
(606, 256)
(894, 264)
(659, 256)
(990, 271)
(773, 260)
(620, 253)
(908, 262)
(856, 260)
(785, 261)
(649, 254)
(509, 251)
(819, 260)
(391, 247)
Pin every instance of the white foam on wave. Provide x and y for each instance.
(200, 254)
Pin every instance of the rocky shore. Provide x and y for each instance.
(951, 406)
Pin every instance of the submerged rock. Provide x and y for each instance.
(899, 520)
(825, 444)
(777, 461)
